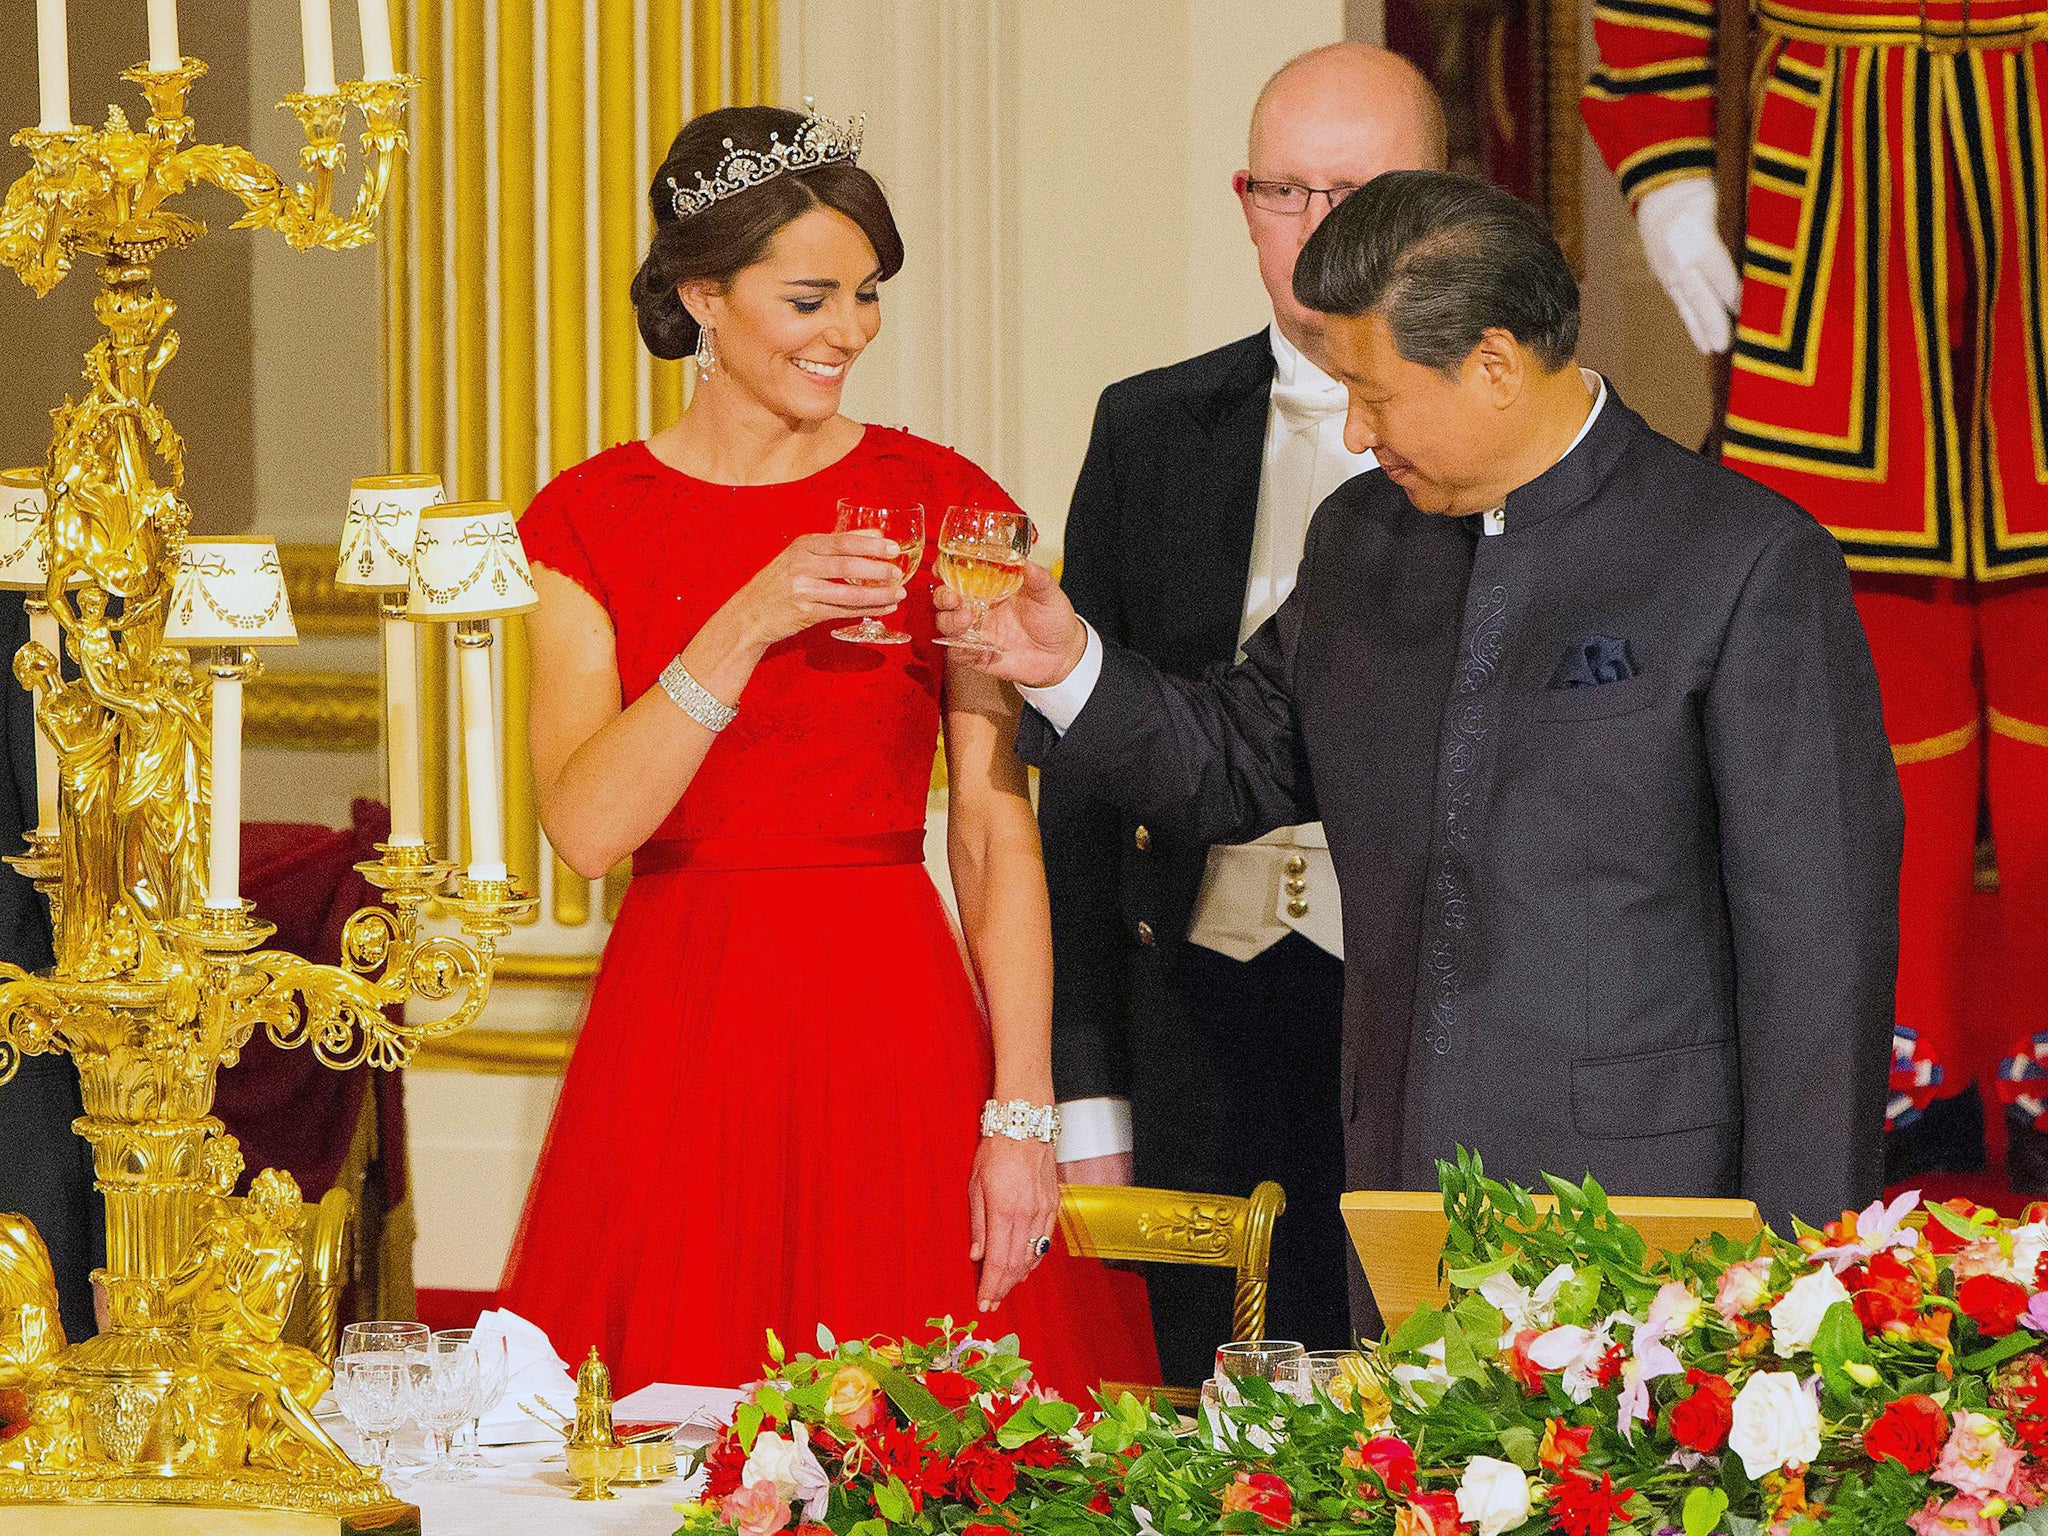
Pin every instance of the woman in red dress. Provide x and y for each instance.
(770, 1117)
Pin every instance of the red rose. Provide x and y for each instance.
(1993, 1303)
(1582, 1507)
(983, 1473)
(1910, 1431)
(1700, 1421)
(1563, 1448)
(1261, 1494)
(953, 1390)
(1389, 1459)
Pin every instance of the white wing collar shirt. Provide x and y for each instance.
(1253, 895)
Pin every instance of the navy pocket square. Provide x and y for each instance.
(1595, 661)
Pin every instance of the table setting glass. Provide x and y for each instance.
(493, 1369)
(446, 1400)
(377, 1392)
(1321, 1370)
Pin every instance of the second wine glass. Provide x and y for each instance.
(905, 526)
(982, 554)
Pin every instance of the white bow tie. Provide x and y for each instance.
(1307, 405)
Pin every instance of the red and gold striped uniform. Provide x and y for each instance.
(1890, 374)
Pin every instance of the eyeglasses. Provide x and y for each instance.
(1286, 196)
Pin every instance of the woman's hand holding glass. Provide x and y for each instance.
(820, 578)
(904, 527)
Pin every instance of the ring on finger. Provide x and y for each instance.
(1040, 1246)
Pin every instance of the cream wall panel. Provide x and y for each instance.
(1061, 175)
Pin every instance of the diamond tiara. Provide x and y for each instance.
(818, 141)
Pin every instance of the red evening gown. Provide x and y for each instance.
(771, 1112)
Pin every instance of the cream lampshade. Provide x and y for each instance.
(229, 592)
(383, 523)
(24, 567)
(468, 564)
(24, 543)
(469, 567)
(376, 553)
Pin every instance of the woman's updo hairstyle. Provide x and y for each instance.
(733, 233)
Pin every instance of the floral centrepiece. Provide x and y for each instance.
(1886, 1374)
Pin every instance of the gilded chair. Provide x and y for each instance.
(1166, 1226)
(326, 1236)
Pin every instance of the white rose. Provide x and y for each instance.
(1494, 1496)
(1796, 1317)
(2028, 1244)
(1777, 1422)
(773, 1460)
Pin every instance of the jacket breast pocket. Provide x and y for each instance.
(1657, 1093)
(1601, 703)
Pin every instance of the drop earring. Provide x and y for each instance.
(706, 354)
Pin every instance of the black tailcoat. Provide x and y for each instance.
(1158, 552)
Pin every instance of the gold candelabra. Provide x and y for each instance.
(189, 1394)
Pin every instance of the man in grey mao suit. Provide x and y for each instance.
(1594, 732)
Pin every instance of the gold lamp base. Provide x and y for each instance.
(103, 1507)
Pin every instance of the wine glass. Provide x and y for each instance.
(1273, 1360)
(905, 525)
(493, 1366)
(447, 1399)
(375, 1393)
(390, 1340)
(982, 552)
(1323, 1370)
(381, 1338)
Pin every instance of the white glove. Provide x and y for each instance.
(1681, 234)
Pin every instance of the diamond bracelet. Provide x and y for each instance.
(1021, 1120)
(694, 699)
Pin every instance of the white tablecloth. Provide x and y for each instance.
(527, 1492)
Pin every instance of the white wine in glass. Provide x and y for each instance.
(905, 526)
(982, 554)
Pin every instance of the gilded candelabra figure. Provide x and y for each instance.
(189, 1395)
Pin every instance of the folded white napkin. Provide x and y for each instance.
(700, 1411)
(534, 1371)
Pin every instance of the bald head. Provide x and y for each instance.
(1334, 117)
(1350, 100)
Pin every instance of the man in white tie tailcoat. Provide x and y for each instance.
(1197, 989)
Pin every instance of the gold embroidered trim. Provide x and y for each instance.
(1926, 751)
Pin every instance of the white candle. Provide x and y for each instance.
(316, 28)
(480, 765)
(53, 64)
(224, 828)
(42, 628)
(375, 19)
(163, 35)
(402, 731)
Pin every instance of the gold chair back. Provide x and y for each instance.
(1169, 1226)
(1399, 1235)
(326, 1236)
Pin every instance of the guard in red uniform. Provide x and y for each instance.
(1890, 374)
